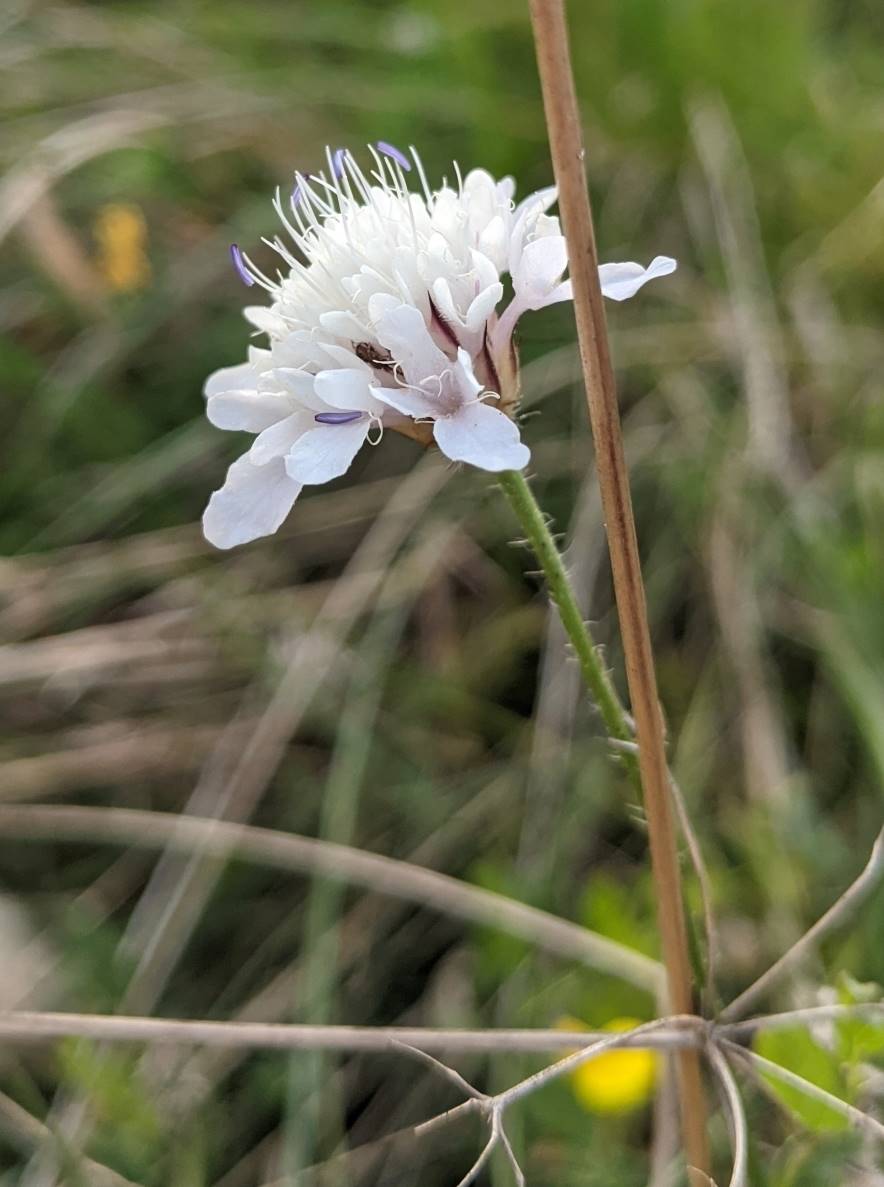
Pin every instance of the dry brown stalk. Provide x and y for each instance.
(563, 123)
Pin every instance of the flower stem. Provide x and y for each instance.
(595, 674)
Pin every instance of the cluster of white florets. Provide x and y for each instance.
(387, 315)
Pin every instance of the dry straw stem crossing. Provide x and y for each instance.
(384, 875)
(24, 1026)
(676, 1033)
(836, 914)
(563, 122)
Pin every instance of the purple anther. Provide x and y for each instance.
(238, 263)
(338, 158)
(297, 193)
(390, 150)
(336, 418)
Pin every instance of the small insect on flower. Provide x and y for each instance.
(616, 1081)
(388, 312)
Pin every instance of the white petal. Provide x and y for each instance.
(506, 187)
(242, 377)
(277, 440)
(409, 401)
(266, 320)
(346, 389)
(444, 302)
(562, 292)
(464, 378)
(404, 333)
(296, 380)
(539, 201)
(249, 411)
(326, 452)
(524, 217)
(484, 269)
(482, 436)
(483, 306)
(342, 323)
(253, 502)
(620, 281)
(492, 241)
(539, 269)
(344, 357)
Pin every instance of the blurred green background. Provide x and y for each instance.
(385, 672)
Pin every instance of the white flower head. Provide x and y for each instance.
(388, 312)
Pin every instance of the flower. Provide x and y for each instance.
(388, 316)
(616, 1081)
(121, 233)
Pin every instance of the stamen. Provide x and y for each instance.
(238, 263)
(337, 162)
(336, 418)
(390, 150)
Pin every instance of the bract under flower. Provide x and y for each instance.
(388, 312)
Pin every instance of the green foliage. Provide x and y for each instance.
(795, 1049)
(117, 1098)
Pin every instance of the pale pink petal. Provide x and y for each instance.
(326, 452)
(253, 502)
(482, 436)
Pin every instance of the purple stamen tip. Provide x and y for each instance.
(338, 159)
(297, 193)
(390, 150)
(239, 263)
(336, 418)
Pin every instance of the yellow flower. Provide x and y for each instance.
(615, 1081)
(121, 234)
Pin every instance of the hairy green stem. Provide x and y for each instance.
(595, 675)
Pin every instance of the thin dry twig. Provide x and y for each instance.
(736, 1112)
(705, 884)
(474, 1171)
(805, 1015)
(563, 123)
(443, 1069)
(836, 914)
(24, 1026)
